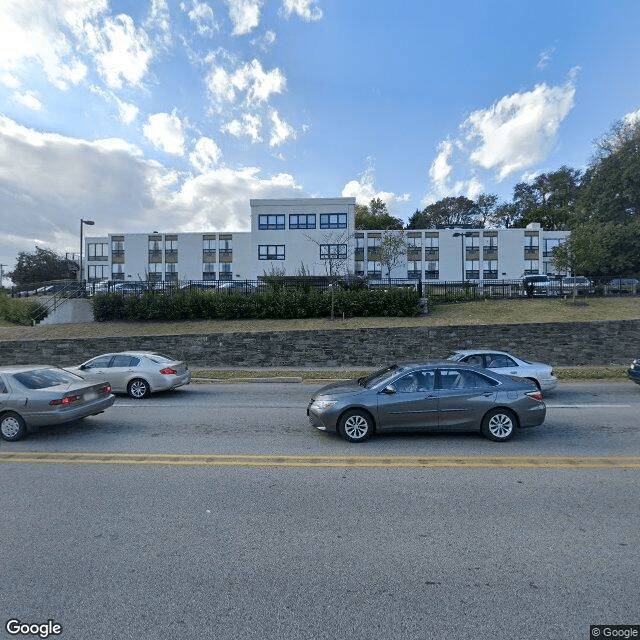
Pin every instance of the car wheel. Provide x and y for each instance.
(355, 425)
(12, 426)
(138, 388)
(498, 425)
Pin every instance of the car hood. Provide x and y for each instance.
(344, 387)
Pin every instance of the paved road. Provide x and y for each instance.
(154, 548)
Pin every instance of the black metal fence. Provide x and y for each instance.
(437, 291)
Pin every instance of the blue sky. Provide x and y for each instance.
(169, 115)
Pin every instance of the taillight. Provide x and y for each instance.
(536, 395)
(106, 388)
(63, 401)
(168, 371)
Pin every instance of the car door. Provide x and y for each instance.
(122, 371)
(98, 368)
(501, 363)
(464, 396)
(409, 402)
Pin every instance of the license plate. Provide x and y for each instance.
(92, 395)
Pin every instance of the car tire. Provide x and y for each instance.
(355, 425)
(498, 425)
(12, 426)
(138, 388)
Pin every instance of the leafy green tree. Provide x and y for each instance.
(453, 211)
(549, 199)
(391, 251)
(376, 216)
(41, 266)
(605, 234)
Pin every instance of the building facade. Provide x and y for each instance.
(317, 236)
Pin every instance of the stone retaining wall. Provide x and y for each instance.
(561, 344)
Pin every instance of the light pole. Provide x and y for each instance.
(81, 243)
(462, 237)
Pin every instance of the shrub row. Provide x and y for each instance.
(192, 304)
(19, 311)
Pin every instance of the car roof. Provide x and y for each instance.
(16, 368)
(468, 352)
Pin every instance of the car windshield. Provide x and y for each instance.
(44, 378)
(379, 376)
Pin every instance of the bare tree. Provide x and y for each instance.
(392, 250)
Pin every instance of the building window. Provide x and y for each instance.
(490, 269)
(117, 272)
(98, 272)
(225, 272)
(271, 223)
(472, 270)
(271, 252)
(333, 220)
(208, 271)
(117, 250)
(307, 221)
(531, 267)
(333, 251)
(171, 274)
(155, 272)
(171, 251)
(98, 251)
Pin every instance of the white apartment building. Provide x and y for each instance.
(313, 236)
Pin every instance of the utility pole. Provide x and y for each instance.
(2, 275)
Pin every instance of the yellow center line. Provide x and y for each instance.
(308, 461)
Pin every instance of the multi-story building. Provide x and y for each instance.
(317, 236)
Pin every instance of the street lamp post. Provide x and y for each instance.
(89, 222)
(462, 237)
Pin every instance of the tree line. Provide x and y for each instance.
(600, 207)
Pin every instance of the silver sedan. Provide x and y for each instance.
(32, 396)
(437, 396)
(136, 373)
(509, 365)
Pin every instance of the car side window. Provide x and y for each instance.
(463, 379)
(499, 361)
(122, 361)
(415, 382)
(98, 363)
(476, 360)
(3, 388)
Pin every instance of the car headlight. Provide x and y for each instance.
(322, 405)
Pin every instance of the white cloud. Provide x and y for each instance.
(545, 58)
(306, 9)
(205, 155)
(111, 182)
(202, 16)
(28, 100)
(248, 126)
(42, 31)
(280, 130)
(128, 112)
(249, 79)
(245, 15)
(364, 190)
(520, 130)
(122, 52)
(165, 131)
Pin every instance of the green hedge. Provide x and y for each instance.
(192, 304)
(20, 311)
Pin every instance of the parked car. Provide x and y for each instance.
(38, 395)
(581, 284)
(508, 365)
(633, 372)
(430, 395)
(624, 285)
(540, 285)
(136, 373)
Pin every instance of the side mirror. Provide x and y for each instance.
(389, 390)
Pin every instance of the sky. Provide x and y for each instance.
(170, 115)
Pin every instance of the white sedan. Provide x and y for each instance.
(136, 373)
(508, 364)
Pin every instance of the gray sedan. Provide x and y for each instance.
(45, 395)
(136, 373)
(428, 395)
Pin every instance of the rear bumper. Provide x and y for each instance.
(69, 413)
